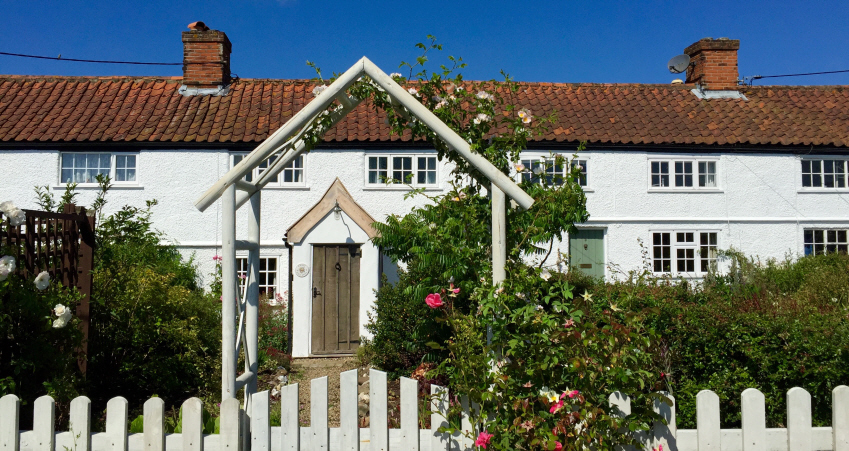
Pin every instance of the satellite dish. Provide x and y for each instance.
(679, 64)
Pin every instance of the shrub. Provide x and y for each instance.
(273, 333)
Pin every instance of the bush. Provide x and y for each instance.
(273, 333)
(770, 325)
(401, 327)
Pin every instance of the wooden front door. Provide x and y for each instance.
(586, 251)
(335, 299)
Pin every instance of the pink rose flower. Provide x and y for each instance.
(570, 394)
(216, 258)
(569, 323)
(558, 446)
(483, 439)
(433, 300)
(555, 407)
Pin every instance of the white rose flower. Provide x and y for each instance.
(520, 167)
(395, 75)
(483, 95)
(7, 207)
(60, 322)
(42, 280)
(318, 90)
(441, 104)
(16, 217)
(60, 310)
(413, 91)
(545, 275)
(539, 170)
(7, 266)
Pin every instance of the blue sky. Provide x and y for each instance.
(590, 41)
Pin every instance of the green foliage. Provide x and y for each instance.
(770, 325)
(551, 366)
(401, 326)
(153, 329)
(273, 333)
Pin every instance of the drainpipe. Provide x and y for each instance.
(291, 304)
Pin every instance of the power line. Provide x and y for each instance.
(59, 58)
(758, 77)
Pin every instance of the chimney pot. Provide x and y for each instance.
(198, 26)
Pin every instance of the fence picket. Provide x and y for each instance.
(319, 432)
(621, 401)
(154, 425)
(116, 423)
(840, 418)
(664, 434)
(439, 418)
(349, 429)
(79, 424)
(799, 430)
(753, 413)
(230, 420)
(44, 417)
(409, 414)
(466, 429)
(10, 434)
(192, 434)
(260, 422)
(290, 437)
(707, 420)
(377, 409)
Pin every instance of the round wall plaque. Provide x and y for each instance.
(302, 270)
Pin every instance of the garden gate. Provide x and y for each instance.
(61, 244)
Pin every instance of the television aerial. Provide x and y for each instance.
(679, 64)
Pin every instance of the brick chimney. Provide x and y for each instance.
(713, 63)
(206, 57)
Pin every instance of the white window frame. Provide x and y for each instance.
(833, 239)
(695, 174)
(549, 158)
(390, 157)
(257, 171)
(822, 174)
(241, 269)
(675, 246)
(113, 160)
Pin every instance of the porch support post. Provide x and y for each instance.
(499, 235)
(252, 307)
(228, 290)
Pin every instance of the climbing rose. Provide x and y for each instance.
(555, 407)
(318, 90)
(433, 300)
(63, 314)
(483, 439)
(42, 280)
(520, 167)
(7, 266)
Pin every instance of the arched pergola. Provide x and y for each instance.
(288, 141)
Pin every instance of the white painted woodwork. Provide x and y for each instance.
(228, 290)
(10, 415)
(798, 420)
(44, 417)
(621, 401)
(665, 434)
(318, 415)
(116, 423)
(260, 422)
(409, 414)
(840, 418)
(192, 425)
(252, 299)
(467, 431)
(377, 408)
(707, 419)
(438, 418)
(753, 421)
(499, 235)
(349, 429)
(79, 424)
(290, 437)
(230, 421)
(154, 424)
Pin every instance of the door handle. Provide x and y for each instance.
(315, 292)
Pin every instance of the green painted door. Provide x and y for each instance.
(586, 250)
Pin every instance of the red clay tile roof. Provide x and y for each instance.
(125, 109)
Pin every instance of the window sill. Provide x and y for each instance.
(288, 187)
(88, 186)
(401, 188)
(823, 191)
(587, 190)
(682, 190)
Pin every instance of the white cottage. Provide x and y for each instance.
(673, 172)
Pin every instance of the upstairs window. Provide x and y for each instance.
(683, 174)
(291, 175)
(415, 170)
(83, 168)
(824, 173)
(554, 173)
(688, 253)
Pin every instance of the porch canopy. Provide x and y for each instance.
(288, 142)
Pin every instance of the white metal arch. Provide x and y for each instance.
(287, 140)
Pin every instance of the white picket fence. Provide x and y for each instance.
(242, 432)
